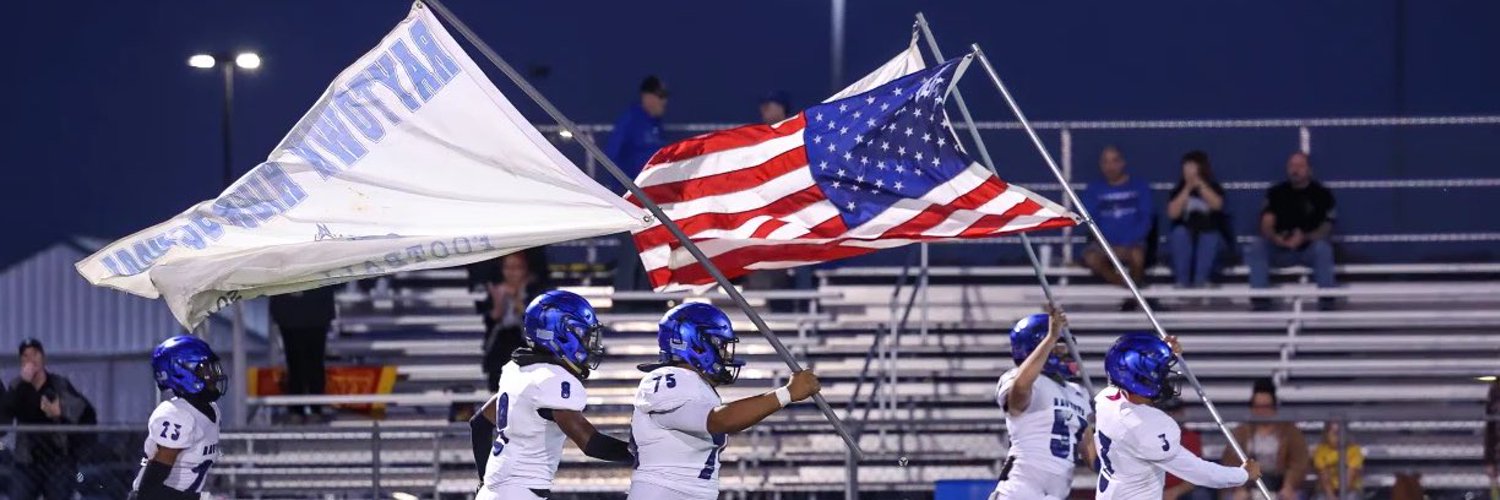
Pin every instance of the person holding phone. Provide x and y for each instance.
(46, 462)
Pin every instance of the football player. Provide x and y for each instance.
(182, 438)
(1138, 444)
(540, 400)
(680, 422)
(1046, 415)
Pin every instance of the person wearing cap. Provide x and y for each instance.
(635, 138)
(637, 133)
(46, 462)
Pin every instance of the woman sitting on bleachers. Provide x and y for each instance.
(1199, 225)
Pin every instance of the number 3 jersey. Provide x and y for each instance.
(177, 424)
(1044, 439)
(1139, 444)
(669, 431)
(528, 444)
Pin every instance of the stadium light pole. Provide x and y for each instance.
(227, 65)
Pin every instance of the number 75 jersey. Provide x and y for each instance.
(669, 431)
(176, 424)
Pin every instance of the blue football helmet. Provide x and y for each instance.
(186, 365)
(1027, 335)
(1142, 364)
(701, 336)
(563, 324)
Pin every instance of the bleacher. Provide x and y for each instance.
(1398, 359)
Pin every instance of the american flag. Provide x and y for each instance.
(870, 171)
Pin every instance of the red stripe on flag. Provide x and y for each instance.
(993, 222)
(830, 228)
(658, 234)
(724, 140)
(936, 214)
(733, 263)
(728, 182)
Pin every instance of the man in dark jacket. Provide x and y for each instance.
(304, 319)
(46, 462)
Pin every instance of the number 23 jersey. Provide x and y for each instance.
(176, 424)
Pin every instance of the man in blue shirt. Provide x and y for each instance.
(637, 133)
(634, 139)
(1123, 208)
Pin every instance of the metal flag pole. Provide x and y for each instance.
(984, 153)
(687, 243)
(1109, 252)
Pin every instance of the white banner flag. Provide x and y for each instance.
(411, 160)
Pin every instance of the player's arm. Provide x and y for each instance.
(593, 443)
(482, 434)
(1165, 449)
(154, 479)
(742, 414)
(1018, 398)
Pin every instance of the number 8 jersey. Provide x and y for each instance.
(528, 444)
(669, 432)
(176, 424)
(1044, 439)
(1139, 444)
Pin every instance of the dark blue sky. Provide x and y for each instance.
(107, 130)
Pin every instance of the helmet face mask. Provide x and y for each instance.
(188, 367)
(700, 336)
(1027, 336)
(563, 324)
(1143, 365)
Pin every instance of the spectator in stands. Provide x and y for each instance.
(775, 107)
(1176, 488)
(1326, 463)
(1492, 436)
(1123, 209)
(637, 133)
(304, 319)
(45, 462)
(1198, 222)
(1294, 228)
(635, 137)
(509, 287)
(1277, 445)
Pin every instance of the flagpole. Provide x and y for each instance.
(687, 243)
(984, 153)
(1114, 259)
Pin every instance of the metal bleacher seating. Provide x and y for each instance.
(1399, 359)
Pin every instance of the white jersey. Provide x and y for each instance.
(669, 432)
(1045, 440)
(177, 424)
(1139, 444)
(527, 446)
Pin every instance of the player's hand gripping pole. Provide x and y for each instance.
(593, 150)
(984, 153)
(1119, 267)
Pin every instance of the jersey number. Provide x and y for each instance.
(567, 390)
(1109, 469)
(202, 471)
(713, 455)
(671, 382)
(1165, 446)
(1064, 445)
(502, 417)
(176, 430)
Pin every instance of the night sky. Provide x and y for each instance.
(107, 130)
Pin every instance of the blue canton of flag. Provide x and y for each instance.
(894, 142)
